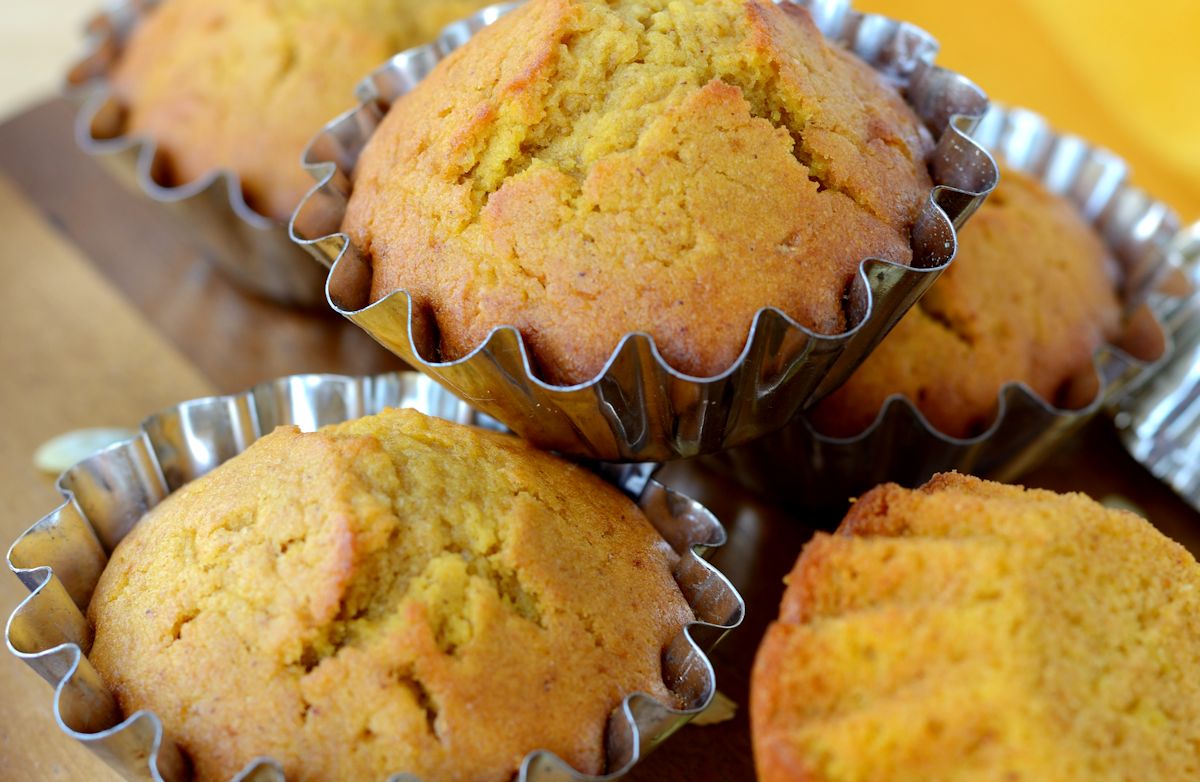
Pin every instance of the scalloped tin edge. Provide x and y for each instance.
(1159, 419)
(61, 556)
(1138, 231)
(251, 248)
(639, 408)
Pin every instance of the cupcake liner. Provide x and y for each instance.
(1159, 419)
(800, 466)
(60, 559)
(250, 248)
(638, 408)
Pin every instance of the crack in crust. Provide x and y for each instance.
(1030, 298)
(570, 135)
(397, 585)
(582, 170)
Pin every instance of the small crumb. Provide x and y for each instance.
(61, 453)
(721, 709)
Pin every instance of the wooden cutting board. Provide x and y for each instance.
(108, 313)
(73, 354)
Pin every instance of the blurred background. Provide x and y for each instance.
(38, 39)
(1125, 76)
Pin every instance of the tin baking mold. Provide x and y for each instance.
(639, 408)
(60, 559)
(803, 467)
(250, 248)
(1159, 419)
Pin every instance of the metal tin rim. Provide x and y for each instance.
(252, 248)
(1158, 420)
(146, 149)
(801, 466)
(1161, 219)
(87, 81)
(643, 720)
(963, 174)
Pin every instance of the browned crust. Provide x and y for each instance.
(769, 166)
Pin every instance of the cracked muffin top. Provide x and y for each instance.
(244, 84)
(1030, 298)
(585, 169)
(392, 594)
(971, 631)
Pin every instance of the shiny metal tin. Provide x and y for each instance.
(801, 466)
(251, 249)
(1159, 420)
(60, 559)
(639, 408)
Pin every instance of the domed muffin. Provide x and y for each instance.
(968, 631)
(584, 169)
(244, 84)
(1030, 298)
(392, 594)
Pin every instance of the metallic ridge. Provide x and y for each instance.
(1159, 420)
(60, 558)
(805, 467)
(248, 246)
(639, 408)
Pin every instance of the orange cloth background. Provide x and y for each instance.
(1124, 76)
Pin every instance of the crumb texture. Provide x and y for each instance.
(245, 84)
(586, 169)
(394, 594)
(972, 631)
(1030, 298)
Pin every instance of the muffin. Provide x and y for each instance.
(582, 170)
(1030, 298)
(968, 631)
(392, 594)
(244, 84)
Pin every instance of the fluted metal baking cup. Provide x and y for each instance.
(801, 466)
(1159, 419)
(639, 408)
(250, 248)
(60, 559)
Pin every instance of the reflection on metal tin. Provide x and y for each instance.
(250, 248)
(801, 466)
(60, 558)
(638, 408)
(1159, 420)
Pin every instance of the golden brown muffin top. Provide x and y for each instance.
(245, 84)
(973, 631)
(396, 593)
(583, 169)
(1029, 299)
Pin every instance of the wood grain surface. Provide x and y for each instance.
(73, 354)
(109, 312)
